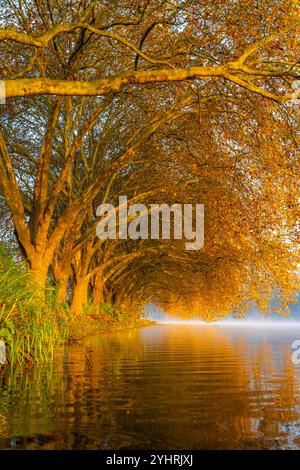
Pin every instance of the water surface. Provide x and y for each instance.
(160, 387)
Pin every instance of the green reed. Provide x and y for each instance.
(31, 325)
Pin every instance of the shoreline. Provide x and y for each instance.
(92, 329)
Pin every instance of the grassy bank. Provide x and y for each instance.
(33, 327)
(30, 326)
(93, 324)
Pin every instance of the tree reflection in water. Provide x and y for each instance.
(162, 387)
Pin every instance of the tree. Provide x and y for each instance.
(207, 121)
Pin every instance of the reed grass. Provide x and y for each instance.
(31, 325)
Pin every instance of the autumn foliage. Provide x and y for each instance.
(164, 102)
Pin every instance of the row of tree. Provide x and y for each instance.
(164, 102)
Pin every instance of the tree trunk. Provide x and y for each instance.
(80, 297)
(62, 283)
(61, 277)
(39, 270)
(98, 294)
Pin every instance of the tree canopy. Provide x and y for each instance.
(164, 102)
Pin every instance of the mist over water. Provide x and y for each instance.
(251, 318)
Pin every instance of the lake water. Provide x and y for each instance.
(160, 387)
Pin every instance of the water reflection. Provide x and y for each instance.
(162, 387)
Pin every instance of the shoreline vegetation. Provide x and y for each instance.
(33, 326)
